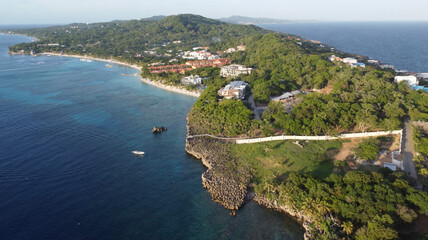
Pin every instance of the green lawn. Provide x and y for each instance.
(277, 159)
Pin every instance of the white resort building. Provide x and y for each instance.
(234, 70)
(235, 89)
(199, 55)
(411, 80)
(349, 61)
(192, 80)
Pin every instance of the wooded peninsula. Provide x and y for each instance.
(257, 83)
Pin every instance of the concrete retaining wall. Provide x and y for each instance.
(319, 138)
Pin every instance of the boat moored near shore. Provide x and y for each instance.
(139, 153)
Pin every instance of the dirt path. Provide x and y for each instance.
(347, 149)
(253, 107)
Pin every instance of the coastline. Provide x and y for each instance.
(170, 88)
(147, 81)
(92, 58)
(232, 193)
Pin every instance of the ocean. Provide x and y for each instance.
(402, 44)
(67, 129)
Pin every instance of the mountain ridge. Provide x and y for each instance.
(236, 19)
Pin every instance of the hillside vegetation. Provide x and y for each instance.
(338, 205)
(125, 39)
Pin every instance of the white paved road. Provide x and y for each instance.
(408, 149)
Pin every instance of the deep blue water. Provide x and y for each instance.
(402, 44)
(67, 129)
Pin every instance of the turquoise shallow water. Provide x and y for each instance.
(67, 129)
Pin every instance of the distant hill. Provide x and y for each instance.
(154, 18)
(249, 20)
(127, 39)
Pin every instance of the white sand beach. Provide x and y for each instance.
(147, 81)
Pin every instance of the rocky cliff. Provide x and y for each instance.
(227, 179)
(227, 185)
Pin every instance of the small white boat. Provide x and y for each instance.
(139, 153)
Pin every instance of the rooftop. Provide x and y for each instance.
(235, 85)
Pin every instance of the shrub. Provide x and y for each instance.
(368, 149)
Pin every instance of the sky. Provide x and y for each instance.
(88, 11)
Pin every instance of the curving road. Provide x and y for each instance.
(408, 150)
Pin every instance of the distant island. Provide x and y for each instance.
(280, 120)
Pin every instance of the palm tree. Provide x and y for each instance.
(348, 228)
(307, 206)
(322, 207)
(306, 210)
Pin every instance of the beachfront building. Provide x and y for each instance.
(374, 61)
(208, 63)
(410, 80)
(235, 89)
(349, 61)
(177, 68)
(234, 70)
(192, 80)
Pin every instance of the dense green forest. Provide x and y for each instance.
(360, 100)
(356, 205)
(127, 40)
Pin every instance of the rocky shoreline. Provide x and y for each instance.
(305, 220)
(228, 189)
(229, 192)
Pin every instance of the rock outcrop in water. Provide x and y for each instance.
(159, 129)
